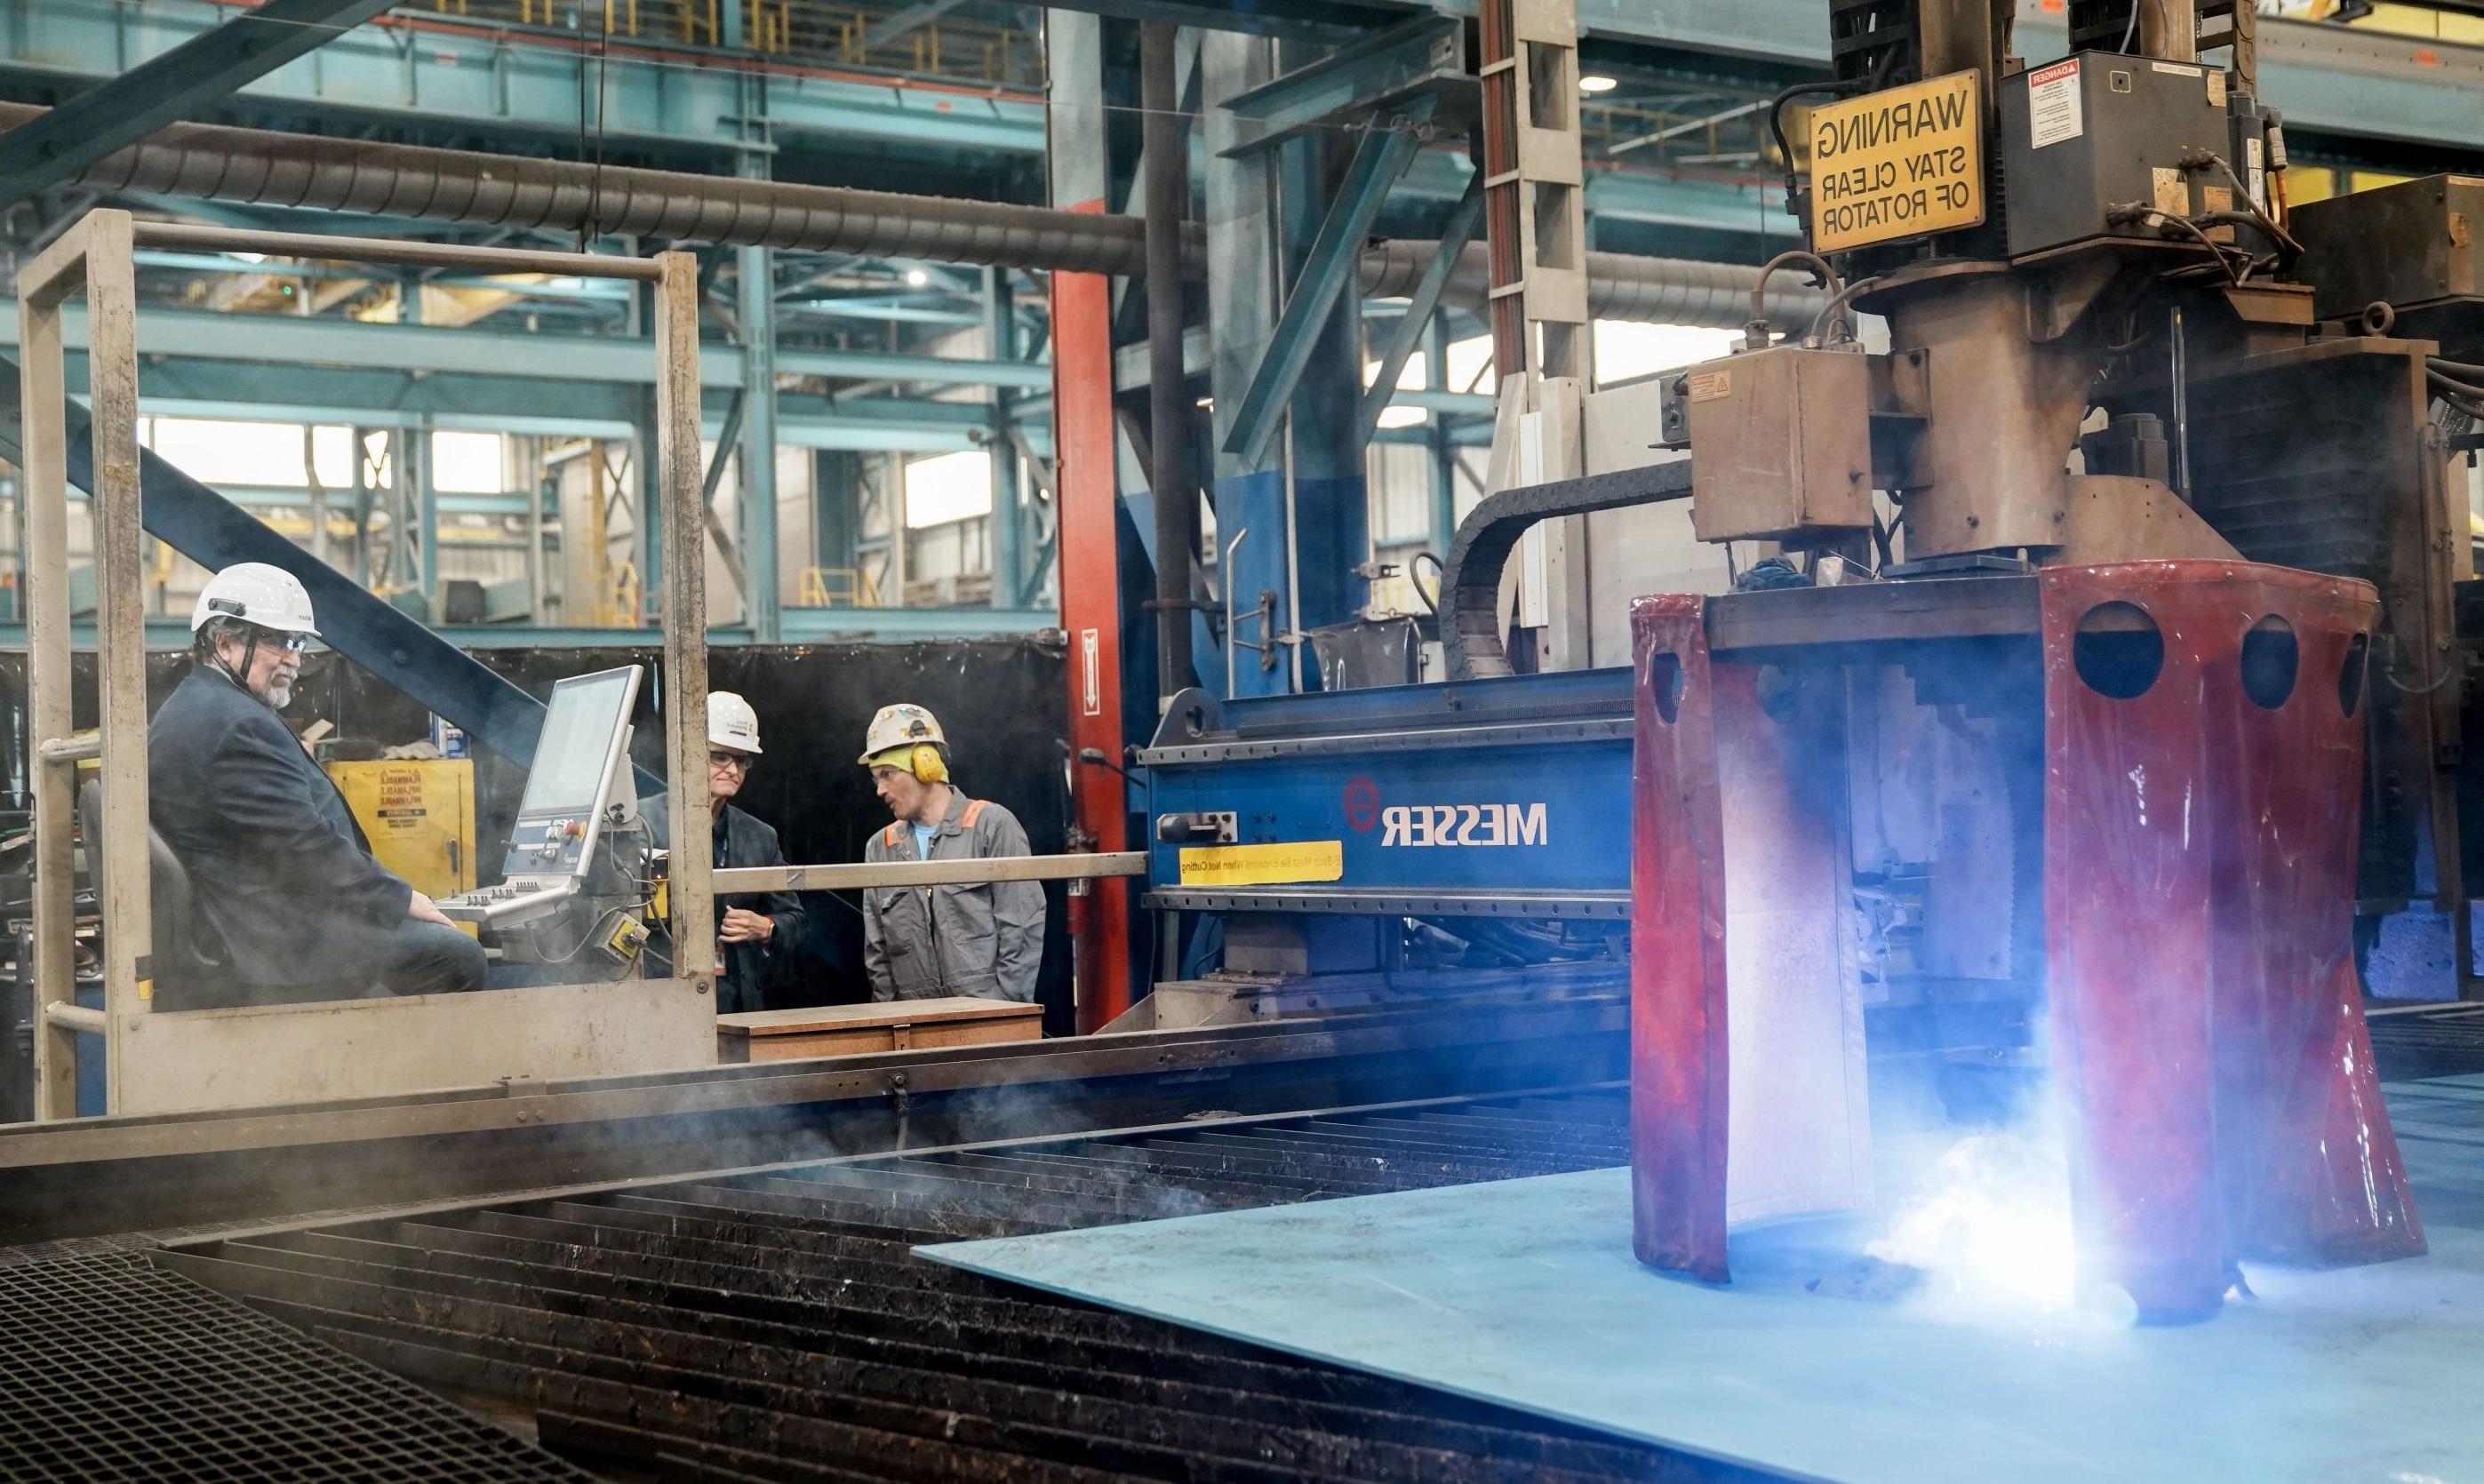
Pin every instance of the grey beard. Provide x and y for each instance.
(279, 694)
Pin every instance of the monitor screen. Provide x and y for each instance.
(580, 724)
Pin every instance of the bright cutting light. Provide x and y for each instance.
(1597, 82)
(916, 277)
(1990, 1228)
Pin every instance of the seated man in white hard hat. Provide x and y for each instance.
(922, 942)
(285, 892)
(757, 932)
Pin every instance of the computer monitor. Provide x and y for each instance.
(586, 727)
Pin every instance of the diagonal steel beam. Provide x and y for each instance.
(1419, 305)
(1329, 266)
(114, 114)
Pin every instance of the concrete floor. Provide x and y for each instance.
(1524, 1292)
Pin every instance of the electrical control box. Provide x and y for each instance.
(2407, 245)
(2089, 133)
(419, 818)
(1780, 444)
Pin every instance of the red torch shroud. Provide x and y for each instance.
(2207, 1037)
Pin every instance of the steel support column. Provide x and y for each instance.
(1087, 496)
(1330, 262)
(1244, 249)
(1008, 521)
(1166, 187)
(1329, 516)
(762, 589)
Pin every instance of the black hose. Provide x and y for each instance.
(1776, 114)
(1430, 600)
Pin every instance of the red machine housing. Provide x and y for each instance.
(2205, 1030)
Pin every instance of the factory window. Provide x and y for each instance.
(469, 463)
(264, 455)
(1412, 376)
(947, 488)
(2270, 658)
(1625, 350)
(2118, 650)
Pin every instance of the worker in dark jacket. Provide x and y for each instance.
(757, 932)
(982, 938)
(285, 892)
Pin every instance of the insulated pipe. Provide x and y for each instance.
(261, 168)
(1620, 286)
(1167, 199)
(258, 167)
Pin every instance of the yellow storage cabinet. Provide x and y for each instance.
(420, 817)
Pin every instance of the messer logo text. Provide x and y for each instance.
(1436, 824)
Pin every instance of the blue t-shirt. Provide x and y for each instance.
(923, 834)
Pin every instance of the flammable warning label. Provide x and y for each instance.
(1264, 865)
(1898, 163)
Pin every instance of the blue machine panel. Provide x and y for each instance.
(1503, 798)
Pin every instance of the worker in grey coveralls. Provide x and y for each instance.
(921, 942)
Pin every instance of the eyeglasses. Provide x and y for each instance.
(290, 643)
(735, 761)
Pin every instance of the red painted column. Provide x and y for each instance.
(1678, 1048)
(1082, 432)
(2199, 885)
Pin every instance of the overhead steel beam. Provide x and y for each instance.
(1328, 268)
(1425, 53)
(142, 100)
(214, 533)
(296, 340)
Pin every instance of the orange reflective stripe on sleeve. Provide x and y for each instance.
(974, 812)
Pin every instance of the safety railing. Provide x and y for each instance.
(895, 38)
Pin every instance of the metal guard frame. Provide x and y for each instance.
(628, 1026)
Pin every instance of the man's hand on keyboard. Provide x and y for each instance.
(422, 909)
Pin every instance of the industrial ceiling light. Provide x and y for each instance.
(916, 277)
(1597, 82)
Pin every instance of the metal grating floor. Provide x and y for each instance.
(776, 1325)
(110, 1370)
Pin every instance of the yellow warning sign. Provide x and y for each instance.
(1898, 163)
(1264, 865)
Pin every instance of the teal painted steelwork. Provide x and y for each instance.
(802, 626)
(1328, 265)
(1007, 521)
(1349, 84)
(1420, 305)
(586, 290)
(172, 84)
(415, 66)
(762, 596)
(286, 337)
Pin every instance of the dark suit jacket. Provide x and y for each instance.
(741, 839)
(284, 887)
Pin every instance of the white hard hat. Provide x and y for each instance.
(255, 593)
(731, 722)
(900, 726)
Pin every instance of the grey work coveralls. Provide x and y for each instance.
(986, 940)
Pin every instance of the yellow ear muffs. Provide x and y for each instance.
(927, 766)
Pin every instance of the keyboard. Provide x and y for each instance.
(510, 902)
